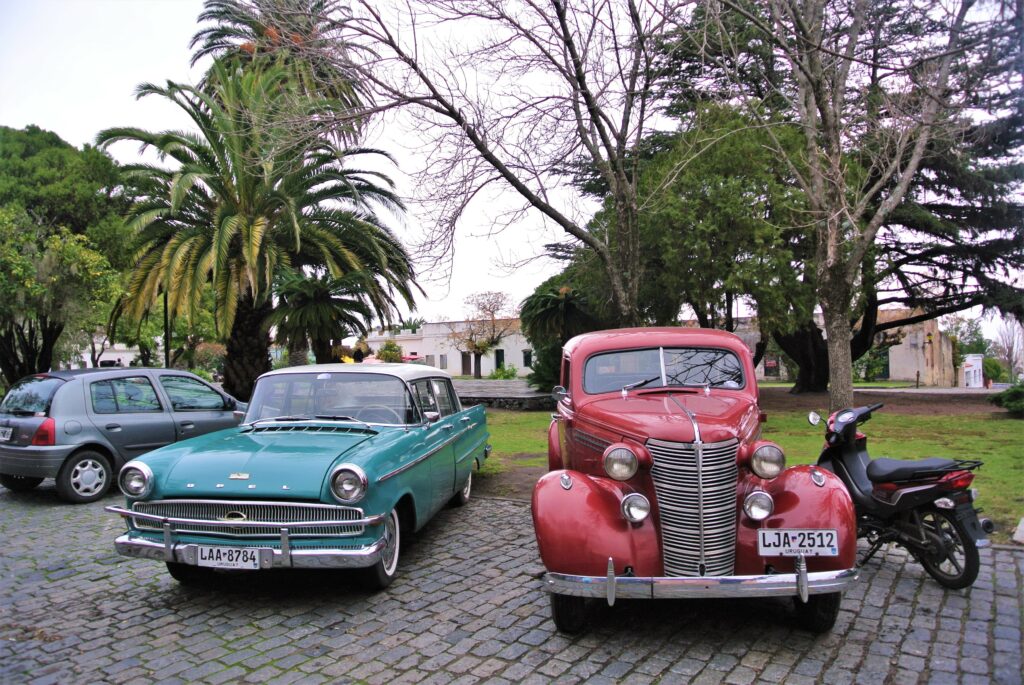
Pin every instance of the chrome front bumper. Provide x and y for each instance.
(183, 553)
(286, 556)
(800, 584)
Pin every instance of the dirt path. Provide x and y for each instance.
(517, 483)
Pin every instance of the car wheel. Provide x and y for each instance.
(569, 613)
(19, 483)
(462, 496)
(819, 613)
(380, 575)
(84, 477)
(187, 574)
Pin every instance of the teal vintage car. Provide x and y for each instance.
(330, 467)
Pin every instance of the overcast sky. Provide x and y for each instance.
(71, 67)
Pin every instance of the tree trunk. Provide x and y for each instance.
(840, 362)
(27, 347)
(323, 351)
(477, 359)
(807, 348)
(247, 349)
(298, 352)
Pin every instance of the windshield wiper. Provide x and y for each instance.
(276, 418)
(639, 384)
(19, 412)
(341, 417)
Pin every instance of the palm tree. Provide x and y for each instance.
(556, 313)
(302, 36)
(238, 207)
(322, 309)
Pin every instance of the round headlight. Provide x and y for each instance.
(635, 507)
(758, 505)
(768, 461)
(135, 479)
(620, 463)
(348, 483)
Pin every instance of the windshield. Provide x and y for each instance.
(30, 396)
(366, 397)
(662, 367)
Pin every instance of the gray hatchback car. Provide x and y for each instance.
(81, 426)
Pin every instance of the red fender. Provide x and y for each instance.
(554, 448)
(580, 528)
(799, 503)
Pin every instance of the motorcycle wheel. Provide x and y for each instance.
(956, 564)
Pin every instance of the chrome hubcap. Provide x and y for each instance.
(88, 477)
(468, 487)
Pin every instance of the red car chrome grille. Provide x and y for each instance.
(696, 545)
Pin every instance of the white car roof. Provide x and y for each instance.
(407, 372)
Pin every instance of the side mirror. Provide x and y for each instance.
(432, 416)
(230, 403)
(558, 393)
(814, 418)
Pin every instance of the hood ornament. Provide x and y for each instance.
(239, 476)
(566, 481)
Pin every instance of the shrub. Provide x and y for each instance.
(992, 369)
(390, 351)
(204, 374)
(1011, 399)
(504, 373)
(210, 356)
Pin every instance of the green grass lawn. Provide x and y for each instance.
(994, 438)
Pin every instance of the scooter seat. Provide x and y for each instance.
(883, 470)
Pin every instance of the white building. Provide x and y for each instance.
(436, 344)
(972, 371)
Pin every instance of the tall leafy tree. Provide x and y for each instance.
(50, 278)
(238, 206)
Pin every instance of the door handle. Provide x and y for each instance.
(187, 425)
(113, 427)
(465, 419)
(449, 427)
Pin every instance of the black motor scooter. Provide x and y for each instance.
(924, 505)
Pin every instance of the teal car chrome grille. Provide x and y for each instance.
(222, 513)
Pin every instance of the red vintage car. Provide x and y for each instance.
(660, 485)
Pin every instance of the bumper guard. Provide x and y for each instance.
(800, 584)
(286, 557)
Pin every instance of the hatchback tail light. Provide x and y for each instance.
(46, 434)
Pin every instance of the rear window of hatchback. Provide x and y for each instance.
(30, 396)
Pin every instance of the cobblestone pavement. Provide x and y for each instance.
(467, 607)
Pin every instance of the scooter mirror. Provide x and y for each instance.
(814, 418)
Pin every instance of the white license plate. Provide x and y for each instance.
(790, 542)
(5, 433)
(228, 557)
